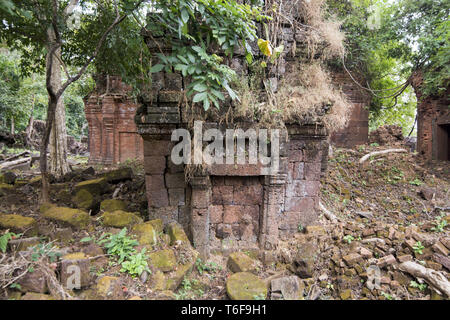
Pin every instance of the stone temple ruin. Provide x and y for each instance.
(228, 206)
(222, 207)
(357, 130)
(110, 113)
(433, 123)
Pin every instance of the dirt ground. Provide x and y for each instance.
(393, 208)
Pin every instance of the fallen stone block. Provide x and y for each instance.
(119, 175)
(75, 271)
(290, 288)
(111, 205)
(246, 286)
(120, 219)
(164, 260)
(146, 233)
(18, 224)
(176, 233)
(109, 288)
(94, 186)
(73, 217)
(240, 262)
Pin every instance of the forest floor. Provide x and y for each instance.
(391, 210)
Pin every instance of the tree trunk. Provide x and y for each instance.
(58, 164)
(13, 129)
(52, 103)
(30, 127)
(54, 133)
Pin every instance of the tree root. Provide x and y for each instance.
(376, 153)
(434, 278)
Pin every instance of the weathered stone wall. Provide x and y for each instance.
(231, 206)
(433, 123)
(357, 130)
(110, 114)
(224, 207)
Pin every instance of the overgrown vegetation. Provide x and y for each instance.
(387, 42)
(305, 94)
(24, 96)
(119, 244)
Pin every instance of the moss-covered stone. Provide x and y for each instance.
(346, 294)
(37, 296)
(73, 217)
(5, 189)
(164, 260)
(94, 186)
(246, 286)
(82, 262)
(46, 206)
(111, 205)
(157, 225)
(84, 200)
(23, 244)
(240, 262)
(74, 256)
(120, 219)
(176, 277)
(158, 281)
(18, 224)
(118, 175)
(63, 235)
(176, 233)
(146, 233)
(305, 259)
(109, 288)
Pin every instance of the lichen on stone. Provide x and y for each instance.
(94, 186)
(146, 233)
(18, 223)
(164, 260)
(245, 286)
(111, 205)
(74, 217)
(120, 219)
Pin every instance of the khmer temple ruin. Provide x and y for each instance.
(227, 207)
(357, 130)
(433, 122)
(110, 114)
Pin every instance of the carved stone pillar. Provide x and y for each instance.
(273, 206)
(200, 204)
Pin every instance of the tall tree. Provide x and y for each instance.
(41, 28)
(390, 41)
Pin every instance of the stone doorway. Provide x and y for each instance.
(443, 142)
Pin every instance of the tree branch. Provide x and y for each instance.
(116, 21)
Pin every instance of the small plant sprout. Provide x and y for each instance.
(136, 264)
(440, 224)
(387, 296)
(119, 245)
(416, 182)
(5, 238)
(349, 238)
(418, 248)
(210, 267)
(420, 286)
